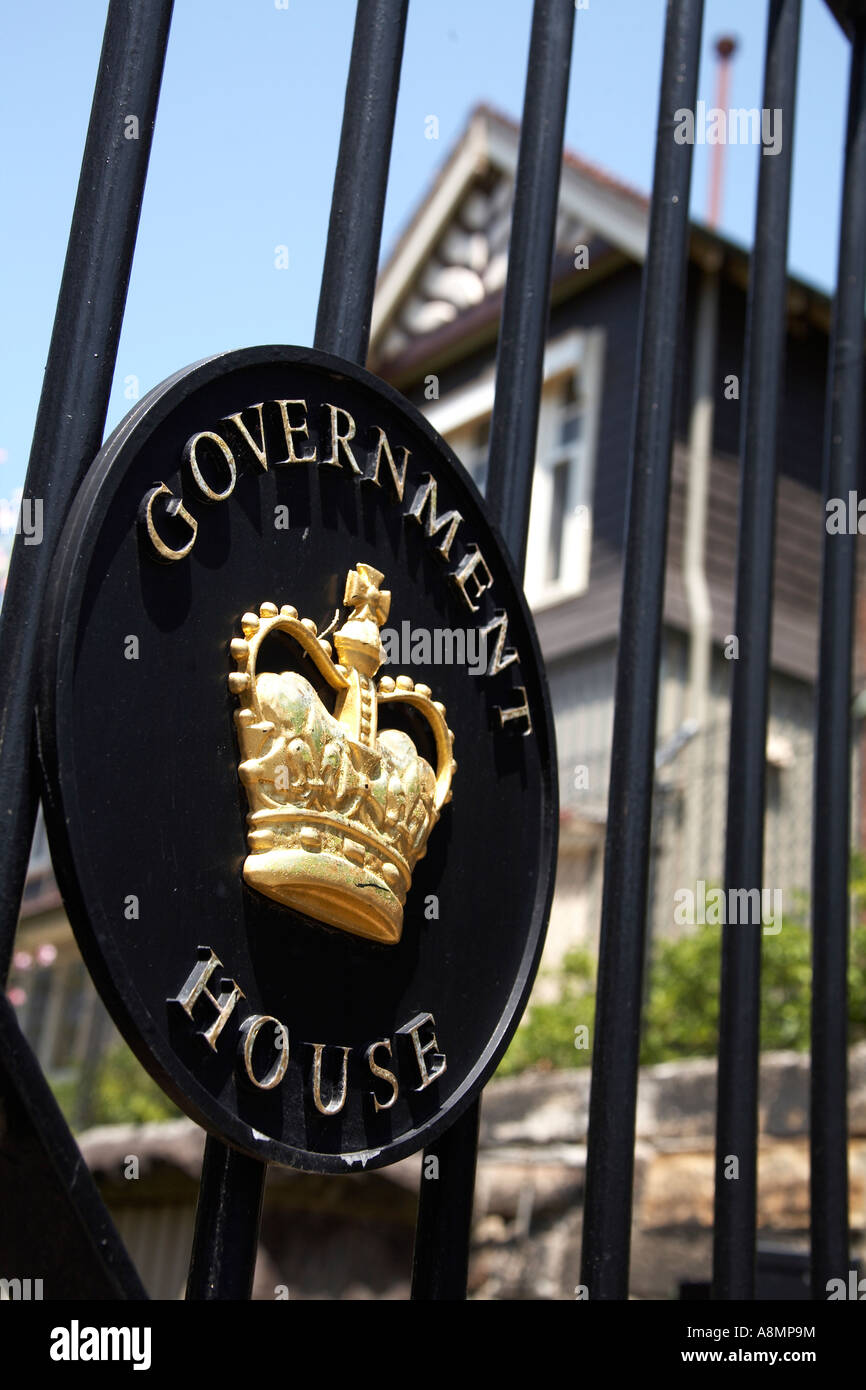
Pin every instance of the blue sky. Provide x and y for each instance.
(246, 142)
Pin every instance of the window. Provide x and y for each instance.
(553, 561)
(471, 444)
(558, 546)
(557, 558)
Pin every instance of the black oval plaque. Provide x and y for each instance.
(315, 933)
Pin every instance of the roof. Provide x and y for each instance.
(440, 289)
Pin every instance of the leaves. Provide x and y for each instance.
(681, 1015)
(121, 1093)
(548, 1037)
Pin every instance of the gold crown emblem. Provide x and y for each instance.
(339, 813)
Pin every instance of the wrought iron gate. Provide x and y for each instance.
(74, 1237)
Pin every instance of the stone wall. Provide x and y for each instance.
(532, 1162)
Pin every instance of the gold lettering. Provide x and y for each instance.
(196, 986)
(399, 477)
(175, 509)
(383, 1073)
(250, 1029)
(341, 441)
(412, 1030)
(334, 1105)
(497, 663)
(434, 523)
(259, 450)
(291, 430)
(506, 714)
(189, 455)
(466, 571)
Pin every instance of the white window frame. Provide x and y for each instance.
(579, 351)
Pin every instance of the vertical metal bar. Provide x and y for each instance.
(74, 1242)
(230, 1200)
(739, 1003)
(441, 1260)
(525, 307)
(343, 327)
(74, 401)
(67, 435)
(226, 1224)
(831, 827)
(610, 1152)
(445, 1206)
(361, 180)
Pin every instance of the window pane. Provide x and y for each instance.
(557, 521)
(473, 453)
(479, 471)
(570, 395)
(571, 429)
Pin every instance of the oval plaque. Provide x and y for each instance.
(298, 759)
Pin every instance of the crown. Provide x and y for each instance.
(339, 813)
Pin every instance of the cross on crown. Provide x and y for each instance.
(365, 597)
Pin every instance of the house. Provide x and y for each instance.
(434, 334)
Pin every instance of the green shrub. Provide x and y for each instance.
(681, 1016)
(121, 1092)
(550, 1037)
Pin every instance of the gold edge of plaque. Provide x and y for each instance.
(339, 813)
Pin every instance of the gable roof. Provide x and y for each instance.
(453, 250)
(442, 283)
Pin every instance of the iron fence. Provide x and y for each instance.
(68, 433)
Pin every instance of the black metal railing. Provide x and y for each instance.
(607, 1227)
(832, 796)
(763, 362)
(613, 1096)
(68, 434)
